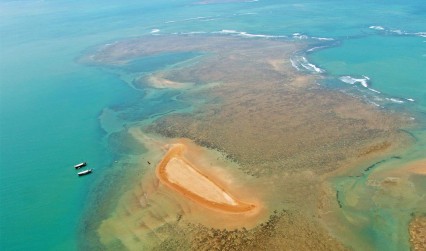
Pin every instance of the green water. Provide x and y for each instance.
(43, 134)
(394, 64)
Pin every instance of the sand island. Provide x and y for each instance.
(179, 174)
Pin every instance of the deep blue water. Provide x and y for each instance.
(50, 105)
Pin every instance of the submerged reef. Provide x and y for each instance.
(418, 233)
(276, 128)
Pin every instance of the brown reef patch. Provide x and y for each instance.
(273, 123)
(417, 230)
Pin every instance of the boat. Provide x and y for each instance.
(85, 172)
(80, 165)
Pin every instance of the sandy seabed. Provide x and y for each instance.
(188, 185)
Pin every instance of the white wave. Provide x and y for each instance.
(319, 70)
(299, 36)
(374, 103)
(323, 38)
(398, 31)
(246, 34)
(192, 32)
(228, 31)
(294, 64)
(351, 80)
(155, 30)
(316, 48)
(396, 100)
(410, 99)
(303, 62)
(421, 34)
(377, 27)
(374, 90)
(300, 62)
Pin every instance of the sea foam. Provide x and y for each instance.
(377, 27)
(301, 36)
(374, 90)
(316, 48)
(395, 100)
(300, 63)
(246, 34)
(351, 80)
(397, 31)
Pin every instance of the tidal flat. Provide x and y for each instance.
(280, 136)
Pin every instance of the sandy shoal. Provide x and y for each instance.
(418, 167)
(404, 170)
(160, 82)
(182, 176)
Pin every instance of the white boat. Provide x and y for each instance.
(80, 165)
(85, 172)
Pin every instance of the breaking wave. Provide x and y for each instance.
(396, 100)
(316, 48)
(301, 36)
(351, 80)
(246, 34)
(302, 64)
(397, 31)
(377, 27)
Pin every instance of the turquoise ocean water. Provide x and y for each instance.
(50, 105)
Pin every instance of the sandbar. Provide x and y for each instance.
(176, 172)
(160, 82)
(418, 167)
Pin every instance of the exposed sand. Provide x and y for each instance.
(401, 171)
(158, 81)
(418, 167)
(179, 174)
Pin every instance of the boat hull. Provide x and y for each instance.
(85, 172)
(78, 166)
